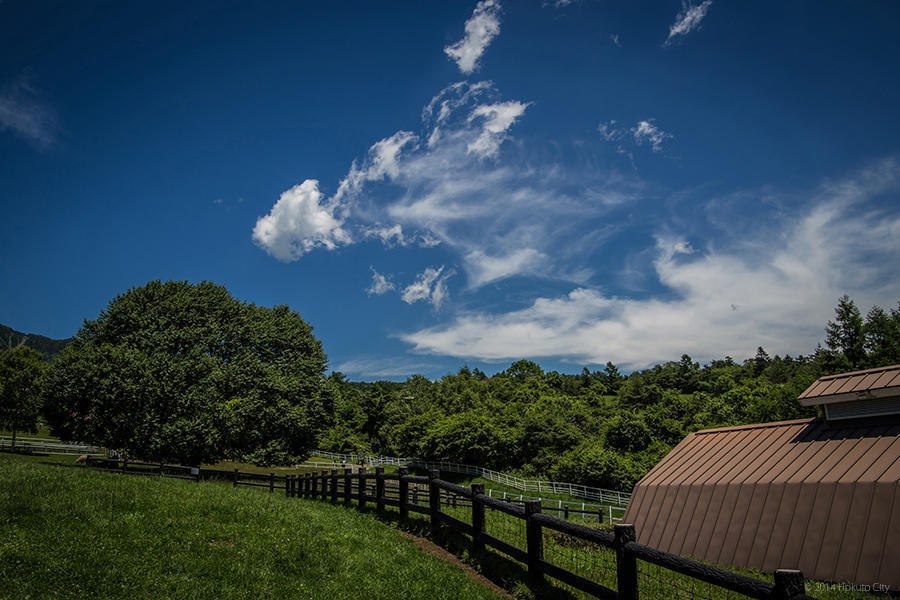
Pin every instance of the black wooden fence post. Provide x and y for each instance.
(404, 493)
(334, 482)
(234, 481)
(789, 584)
(348, 486)
(477, 517)
(124, 464)
(434, 500)
(361, 487)
(379, 489)
(626, 563)
(306, 489)
(288, 485)
(271, 482)
(534, 537)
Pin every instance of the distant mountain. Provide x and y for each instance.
(10, 338)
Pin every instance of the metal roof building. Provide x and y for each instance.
(819, 495)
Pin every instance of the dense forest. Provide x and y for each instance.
(600, 428)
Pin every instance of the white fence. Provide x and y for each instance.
(605, 496)
(44, 446)
(582, 511)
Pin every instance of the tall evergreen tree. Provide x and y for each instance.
(845, 333)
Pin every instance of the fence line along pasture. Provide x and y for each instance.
(525, 485)
(571, 511)
(45, 446)
(605, 565)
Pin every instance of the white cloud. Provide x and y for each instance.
(647, 131)
(481, 28)
(23, 112)
(430, 286)
(484, 269)
(775, 292)
(470, 191)
(495, 119)
(389, 236)
(381, 162)
(615, 39)
(688, 19)
(381, 284)
(299, 222)
(379, 366)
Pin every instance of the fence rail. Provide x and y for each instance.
(584, 511)
(617, 564)
(525, 485)
(44, 446)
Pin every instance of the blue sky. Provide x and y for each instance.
(449, 183)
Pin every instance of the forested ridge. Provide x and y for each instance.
(48, 347)
(601, 427)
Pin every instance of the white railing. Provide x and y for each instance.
(582, 511)
(525, 485)
(45, 446)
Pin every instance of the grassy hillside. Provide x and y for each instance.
(67, 532)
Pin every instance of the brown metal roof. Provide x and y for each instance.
(790, 495)
(882, 382)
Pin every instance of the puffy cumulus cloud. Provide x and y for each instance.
(495, 120)
(381, 284)
(481, 29)
(23, 111)
(299, 222)
(776, 293)
(430, 286)
(688, 19)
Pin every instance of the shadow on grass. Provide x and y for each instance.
(503, 571)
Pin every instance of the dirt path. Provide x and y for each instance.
(431, 548)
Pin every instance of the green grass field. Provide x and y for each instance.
(70, 532)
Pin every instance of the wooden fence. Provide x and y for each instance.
(626, 570)
(524, 485)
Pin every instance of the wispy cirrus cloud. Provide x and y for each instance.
(688, 19)
(767, 292)
(381, 284)
(25, 113)
(461, 183)
(481, 29)
(430, 286)
(380, 366)
(644, 132)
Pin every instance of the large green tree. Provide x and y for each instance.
(845, 333)
(21, 375)
(185, 372)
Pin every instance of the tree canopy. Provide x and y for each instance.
(598, 427)
(21, 377)
(184, 372)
